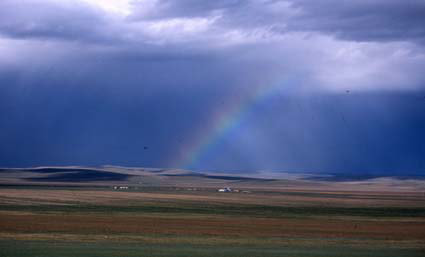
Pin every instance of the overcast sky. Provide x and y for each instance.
(234, 85)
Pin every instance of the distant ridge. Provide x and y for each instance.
(136, 177)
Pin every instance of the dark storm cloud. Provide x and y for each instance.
(99, 108)
(366, 133)
(109, 118)
(82, 85)
(363, 20)
(52, 19)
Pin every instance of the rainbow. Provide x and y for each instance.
(224, 120)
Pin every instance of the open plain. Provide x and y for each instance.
(175, 213)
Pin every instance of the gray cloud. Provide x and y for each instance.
(378, 20)
(370, 21)
(52, 20)
(184, 9)
(363, 20)
(221, 30)
(79, 84)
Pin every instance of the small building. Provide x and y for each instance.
(121, 187)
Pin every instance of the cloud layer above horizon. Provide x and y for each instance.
(95, 81)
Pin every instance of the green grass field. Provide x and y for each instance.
(225, 209)
(62, 249)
